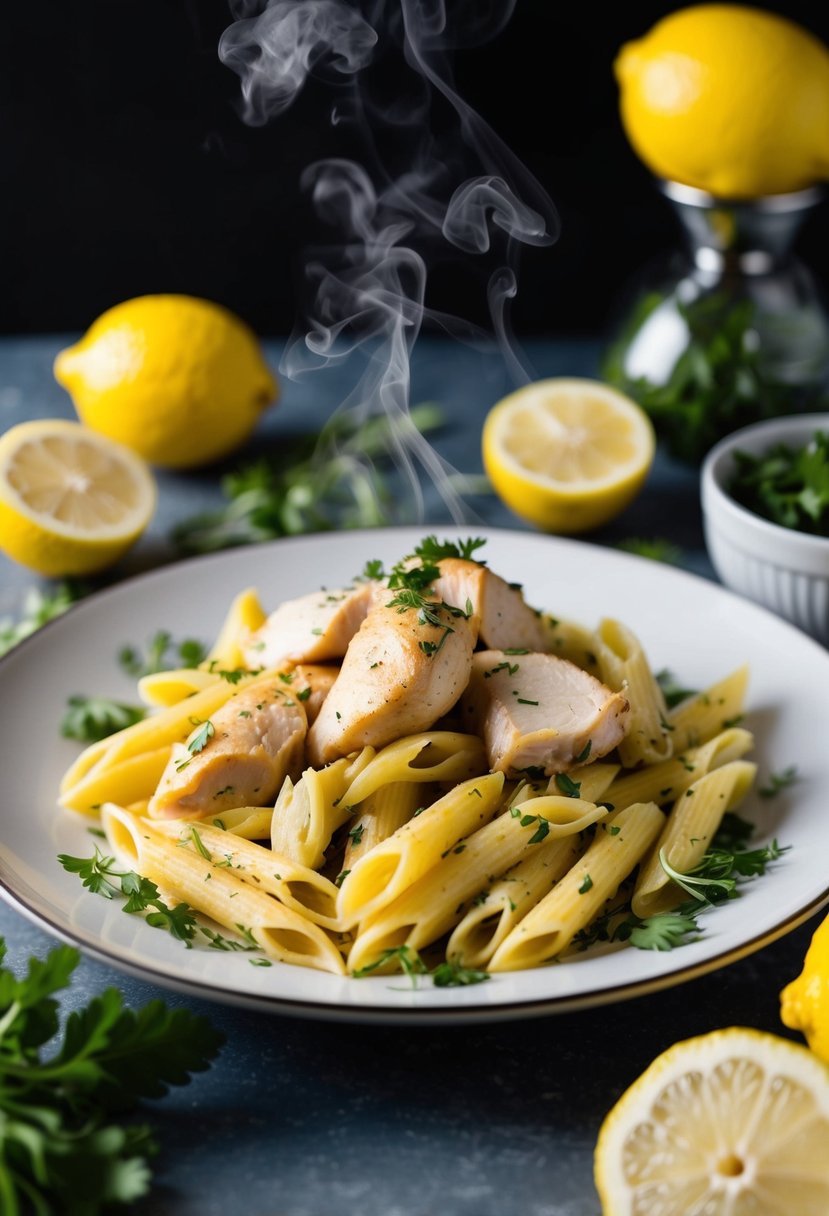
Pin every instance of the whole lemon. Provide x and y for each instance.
(180, 381)
(729, 99)
(804, 1003)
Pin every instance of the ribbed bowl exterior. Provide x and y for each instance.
(800, 598)
(782, 569)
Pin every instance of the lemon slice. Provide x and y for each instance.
(734, 1123)
(567, 455)
(71, 501)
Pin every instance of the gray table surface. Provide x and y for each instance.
(307, 1118)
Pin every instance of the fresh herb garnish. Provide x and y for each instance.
(672, 691)
(568, 787)
(60, 1151)
(779, 781)
(38, 608)
(90, 719)
(100, 875)
(445, 975)
(331, 480)
(162, 653)
(656, 549)
(201, 738)
(787, 485)
(453, 975)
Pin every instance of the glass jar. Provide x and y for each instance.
(732, 331)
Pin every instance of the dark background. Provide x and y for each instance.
(125, 167)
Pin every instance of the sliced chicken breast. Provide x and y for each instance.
(311, 684)
(311, 629)
(540, 712)
(399, 675)
(239, 757)
(504, 618)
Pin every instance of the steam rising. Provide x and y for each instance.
(368, 290)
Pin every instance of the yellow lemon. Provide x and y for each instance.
(71, 501)
(567, 455)
(181, 381)
(735, 1121)
(804, 1003)
(729, 99)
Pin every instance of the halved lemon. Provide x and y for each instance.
(732, 1123)
(71, 501)
(567, 455)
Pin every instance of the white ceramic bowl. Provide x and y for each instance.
(782, 569)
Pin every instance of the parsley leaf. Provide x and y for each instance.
(162, 653)
(779, 781)
(90, 719)
(38, 608)
(454, 975)
(60, 1150)
(657, 549)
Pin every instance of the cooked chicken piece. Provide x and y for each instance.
(504, 619)
(536, 711)
(398, 677)
(311, 684)
(239, 757)
(312, 629)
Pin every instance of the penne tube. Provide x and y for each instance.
(218, 893)
(131, 780)
(619, 844)
(433, 756)
(381, 875)
(624, 668)
(250, 822)
(380, 815)
(167, 688)
(432, 905)
(664, 783)
(84, 764)
(593, 781)
(244, 616)
(698, 718)
(569, 640)
(304, 890)
(499, 907)
(308, 813)
(688, 833)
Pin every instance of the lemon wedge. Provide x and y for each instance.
(71, 501)
(732, 1122)
(567, 455)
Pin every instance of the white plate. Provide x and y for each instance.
(698, 630)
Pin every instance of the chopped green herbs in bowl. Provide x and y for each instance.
(786, 484)
(765, 502)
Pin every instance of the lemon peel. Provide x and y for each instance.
(732, 1121)
(804, 1003)
(179, 380)
(567, 454)
(728, 99)
(71, 501)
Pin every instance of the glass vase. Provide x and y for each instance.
(732, 330)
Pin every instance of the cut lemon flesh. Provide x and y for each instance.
(734, 1123)
(567, 455)
(71, 501)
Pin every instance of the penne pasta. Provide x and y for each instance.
(547, 930)
(664, 783)
(697, 719)
(245, 615)
(220, 894)
(623, 667)
(308, 813)
(433, 756)
(432, 905)
(380, 815)
(688, 833)
(381, 875)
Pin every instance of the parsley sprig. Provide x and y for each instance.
(448, 974)
(161, 653)
(330, 480)
(100, 875)
(788, 485)
(90, 719)
(38, 608)
(718, 876)
(60, 1149)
